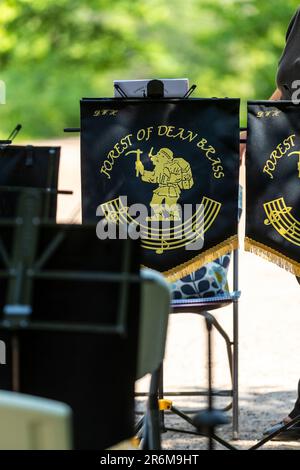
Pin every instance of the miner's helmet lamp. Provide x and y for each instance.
(166, 153)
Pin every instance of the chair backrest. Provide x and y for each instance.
(155, 308)
(33, 423)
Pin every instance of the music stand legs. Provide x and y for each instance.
(275, 433)
(205, 422)
(15, 362)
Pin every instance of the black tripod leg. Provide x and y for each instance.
(275, 433)
(145, 437)
(223, 442)
(211, 420)
(182, 415)
(197, 433)
(139, 425)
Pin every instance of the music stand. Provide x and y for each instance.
(29, 166)
(155, 91)
(72, 326)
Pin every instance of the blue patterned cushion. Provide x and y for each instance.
(208, 281)
(211, 279)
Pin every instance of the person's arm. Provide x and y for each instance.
(276, 95)
(243, 135)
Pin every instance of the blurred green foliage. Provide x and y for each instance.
(53, 52)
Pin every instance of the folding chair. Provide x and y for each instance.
(203, 306)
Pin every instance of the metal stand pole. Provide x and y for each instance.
(235, 387)
(161, 396)
(15, 362)
(50, 179)
(206, 421)
(210, 395)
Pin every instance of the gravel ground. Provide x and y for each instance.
(269, 339)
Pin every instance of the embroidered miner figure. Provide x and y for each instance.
(172, 176)
(298, 155)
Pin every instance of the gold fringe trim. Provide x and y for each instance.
(272, 255)
(203, 258)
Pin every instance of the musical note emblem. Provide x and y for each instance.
(164, 246)
(113, 211)
(274, 215)
(198, 228)
(280, 216)
(159, 239)
(290, 230)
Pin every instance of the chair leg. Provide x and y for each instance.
(232, 354)
(235, 387)
(208, 316)
(235, 409)
(223, 333)
(208, 420)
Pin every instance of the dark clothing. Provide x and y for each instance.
(289, 63)
(296, 411)
(288, 72)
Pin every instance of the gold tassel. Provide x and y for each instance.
(272, 255)
(201, 259)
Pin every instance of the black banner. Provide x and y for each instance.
(177, 158)
(28, 166)
(273, 182)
